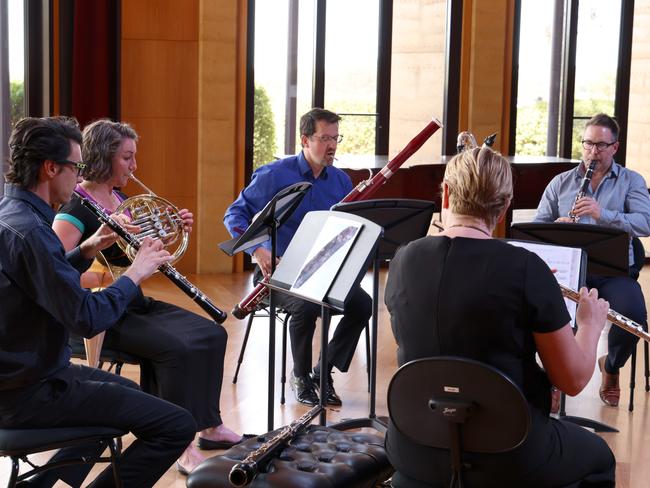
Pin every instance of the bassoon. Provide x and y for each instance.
(244, 472)
(167, 269)
(363, 191)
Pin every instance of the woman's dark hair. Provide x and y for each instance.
(308, 121)
(101, 140)
(35, 140)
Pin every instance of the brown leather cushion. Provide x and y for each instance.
(320, 457)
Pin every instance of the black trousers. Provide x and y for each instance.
(181, 355)
(624, 295)
(555, 454)
(81, 396)
(341, 348)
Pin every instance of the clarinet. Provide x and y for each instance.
(167, 269)
(583, 190)
(363, 191)
(244, 472)
(614, 317)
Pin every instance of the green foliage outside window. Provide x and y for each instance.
(532, 124)
(264, 146)
(17, 101)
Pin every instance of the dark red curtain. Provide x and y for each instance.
(93, 38)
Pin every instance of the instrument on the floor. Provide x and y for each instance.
(583, 190)
(157, 218)
(363, 191)
(614, 317)
(167, 269)
(243, 473)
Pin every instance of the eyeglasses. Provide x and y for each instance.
(588, 145)
(80, 166)
(327, 139)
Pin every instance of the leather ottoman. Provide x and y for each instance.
(319, 457)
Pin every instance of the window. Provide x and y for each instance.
(295, 43)
(572, 62)
(16, 44)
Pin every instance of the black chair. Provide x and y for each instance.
(458, 404)
(262, 311)
(20, 443)
(635, 270)
(114, 358)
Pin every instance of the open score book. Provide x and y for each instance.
(569, 262)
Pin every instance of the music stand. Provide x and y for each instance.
(607, 249)
(607, 254)
(264, 226)
(403, 221)
(337, 273)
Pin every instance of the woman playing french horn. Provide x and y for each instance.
(181, 353)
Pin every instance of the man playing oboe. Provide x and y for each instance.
(615, 197)
(319, 137)
(41, 302)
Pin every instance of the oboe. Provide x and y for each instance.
(614, 317)
(243, 473)
(583, 190)
(363, 191)
(167, 269)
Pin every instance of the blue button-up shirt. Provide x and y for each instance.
(622, 195)
(329, 188)
(40, 294)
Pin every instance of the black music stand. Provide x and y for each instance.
(607, 254)
(264, 226)
(607, 249)
(403, 221)
(338, 280)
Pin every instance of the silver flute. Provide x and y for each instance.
(583, 190)
(614, 317)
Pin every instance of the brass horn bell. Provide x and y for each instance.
(157, 218)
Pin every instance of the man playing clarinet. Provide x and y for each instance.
(614, 197)
(319, 137)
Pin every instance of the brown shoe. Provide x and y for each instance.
(609, 390)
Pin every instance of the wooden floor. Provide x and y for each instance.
(243, 405)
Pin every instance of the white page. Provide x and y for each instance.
(566, 260)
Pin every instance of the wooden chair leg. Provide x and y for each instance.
(647, 366)
(632, 380)
(243, 346)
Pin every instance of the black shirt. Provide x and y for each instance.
(475, 298)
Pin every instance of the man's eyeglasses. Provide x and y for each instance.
(588, 145)
(80, 166)
(327, 139)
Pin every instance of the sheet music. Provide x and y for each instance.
(566, 260)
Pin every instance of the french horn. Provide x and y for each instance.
(157, 218)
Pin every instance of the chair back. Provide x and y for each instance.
(425, 396)
(638, 253)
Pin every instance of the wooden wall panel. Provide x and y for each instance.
(159, 96)
(219, 122)
(160, 19)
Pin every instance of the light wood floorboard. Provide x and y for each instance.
(243, 405)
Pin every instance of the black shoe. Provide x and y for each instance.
(331, 398)
(304, 389)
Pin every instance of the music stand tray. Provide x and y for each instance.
(607, 248)
(607, 254)
(332, 251)
(403, 220)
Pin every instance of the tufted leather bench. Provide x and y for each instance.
(319, 457)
